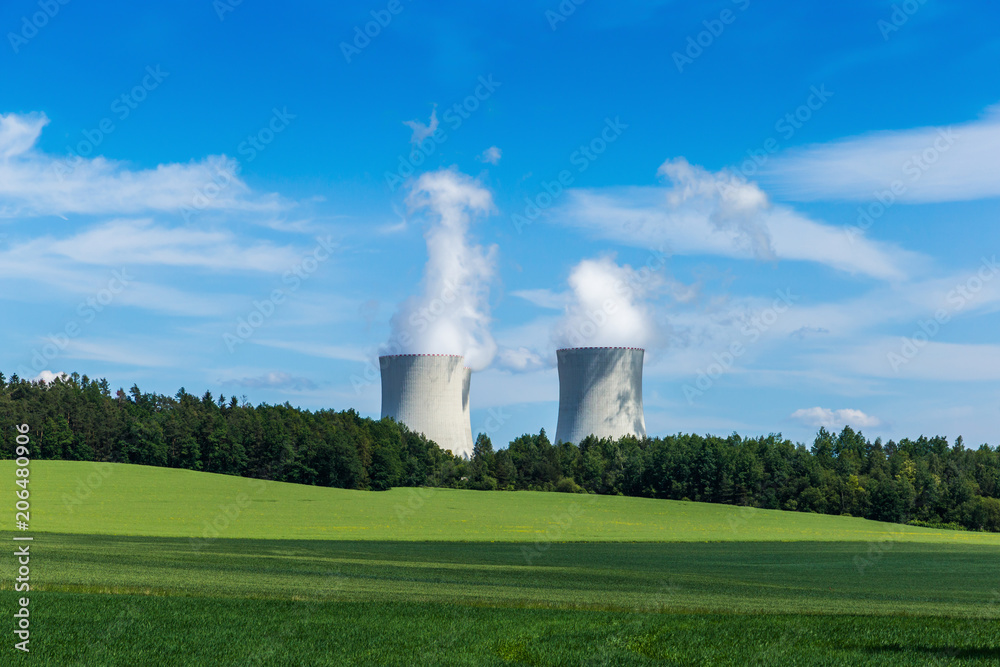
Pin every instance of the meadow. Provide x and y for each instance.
(127, 574)
(122, 499)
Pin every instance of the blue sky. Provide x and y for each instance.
(814, 187)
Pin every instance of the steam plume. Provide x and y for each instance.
(451, 315)
(608, 306)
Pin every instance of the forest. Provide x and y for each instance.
(926, 481)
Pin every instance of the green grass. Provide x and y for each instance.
(119, 499)
(735, 578)
(129, 576)
(105, 600)
(129, 630)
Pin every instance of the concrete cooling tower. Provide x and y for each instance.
(429, 393)
(600, 393)
(466, 412)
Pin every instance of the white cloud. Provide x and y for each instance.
(119, 352)
(19, 133)
(33, 183)
(48, 377)
(491, 155)
(527, 346)
(722, 214)
(133, 242)
(519, 359)
(172, 301)
(421, 131)
(932, 164)
(86, 262)
(730, 203)
(77, 258)
(320, 350)
(543, 298)
(904, 359)
(817, 417)
(273, 380)
(805, 332)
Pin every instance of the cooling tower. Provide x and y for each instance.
(600, 393)
(467, 414)
(428, 393)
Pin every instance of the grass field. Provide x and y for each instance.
(132, 630)
(119, 499)
(131, 577)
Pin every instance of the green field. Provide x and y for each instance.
(120, 499)
(130, 576)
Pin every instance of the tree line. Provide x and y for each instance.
(927, 481)
(79, 419)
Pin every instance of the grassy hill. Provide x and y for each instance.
(136, 565)
(120, 499)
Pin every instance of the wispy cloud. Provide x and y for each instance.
(145, 242)
(519, 359)
(82, 263)
(491, 155)
(891, 358)
(927, 164)
(119, 352)
(34, 183)
(731, 204)
(720, 213)
(420, 130)
(543, 298)
(274, 380)
(323, 351)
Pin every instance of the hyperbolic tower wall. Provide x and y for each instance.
(430, 394)
(600, 393)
